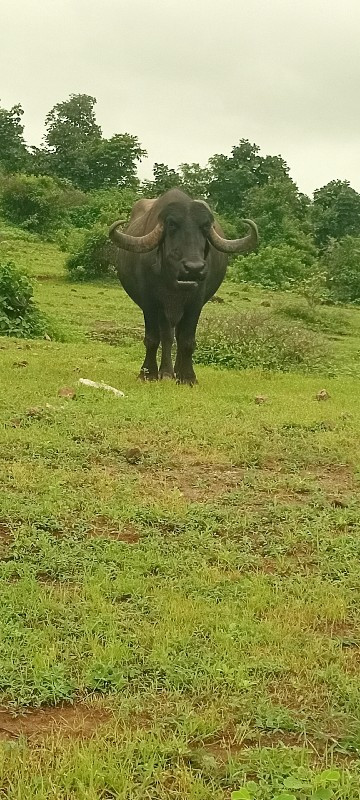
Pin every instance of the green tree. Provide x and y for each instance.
(335, 212)
(164, 178)
(71, 134)
(112, 161)
(195, 180)
(75, 148)
(282, 215)
(342, 264)
(232, 177)
(13, 152)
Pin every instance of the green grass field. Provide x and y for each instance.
(180, 591)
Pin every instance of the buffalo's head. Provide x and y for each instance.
(184, 244)
(183, 235)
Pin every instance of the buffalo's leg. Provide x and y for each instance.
(167, 338)
(149, 369)
(185, 338)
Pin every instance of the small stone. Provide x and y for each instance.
(33, 411)
(133, 455)
(67, 391)
(339, 502)
(260, 399)
(16, 422)
(322, 395)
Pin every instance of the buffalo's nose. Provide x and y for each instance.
(194, 266)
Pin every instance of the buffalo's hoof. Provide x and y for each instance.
(166, 376)
(146, 376)
(184, 380)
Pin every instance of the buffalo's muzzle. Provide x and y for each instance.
(194, 270)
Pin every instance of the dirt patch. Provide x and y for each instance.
(111, 332)
(333, 479)
(227, 746)
(195, 482)
(5, 533)
(77, 721)
(106, 527)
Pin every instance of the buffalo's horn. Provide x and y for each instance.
(136, 244)
(245, 245)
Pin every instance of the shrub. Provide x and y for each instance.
(94, 256)
(279, 267)
(342, 262)
(19, 315)
(253, 339)
(103, 206)
(38, 204)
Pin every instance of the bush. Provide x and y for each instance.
(103, 206)
(253, 339)
(342, 262)
(38, 204)
(94, 256)
(19, 315)
(280, 267)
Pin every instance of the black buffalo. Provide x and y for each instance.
(172, 259)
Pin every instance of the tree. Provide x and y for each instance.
(13, 153)
(71, 133)
(281, 213)
(72, 123)
(75, 148)
(112, 161)
(233, 176)
(342, 264)
(335, 212)
(164, 178)
(195, 180)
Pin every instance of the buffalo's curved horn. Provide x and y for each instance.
(245, 245)
(136, 244)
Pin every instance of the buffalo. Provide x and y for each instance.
(171, 260)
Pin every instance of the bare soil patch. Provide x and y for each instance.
(106, 527)
(77, 721)
(195, 482)
(5, 533)
(226, 746)
(334, 478)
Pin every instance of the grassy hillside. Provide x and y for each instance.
(179, 569)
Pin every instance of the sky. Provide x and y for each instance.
(192, 77)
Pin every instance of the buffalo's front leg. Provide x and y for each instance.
(185, 337)
(167, 338)
(149, 369)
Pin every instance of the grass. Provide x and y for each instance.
(179, 599)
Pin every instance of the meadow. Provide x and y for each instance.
(179, 569)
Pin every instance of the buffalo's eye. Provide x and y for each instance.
(172, 226)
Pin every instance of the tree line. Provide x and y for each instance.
(78, 167)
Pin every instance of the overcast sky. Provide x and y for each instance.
(192, 77)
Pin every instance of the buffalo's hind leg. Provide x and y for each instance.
(167, 338)
(185, 338)
(149, 369)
